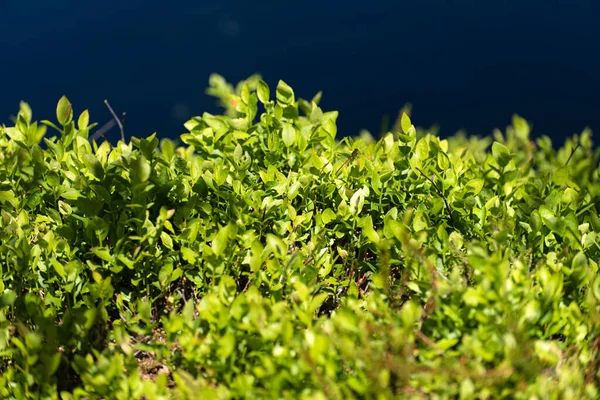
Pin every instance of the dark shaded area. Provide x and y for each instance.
(462, 64)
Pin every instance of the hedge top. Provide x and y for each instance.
(264, 258)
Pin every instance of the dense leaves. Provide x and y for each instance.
(262, 258)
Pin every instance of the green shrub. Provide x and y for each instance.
(263, 258)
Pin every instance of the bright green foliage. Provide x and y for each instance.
(265, 259)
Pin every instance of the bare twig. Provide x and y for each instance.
(426, 340)
(573, 152)
(105, 128)
(350, 157)
(441, 195)
(116, 119)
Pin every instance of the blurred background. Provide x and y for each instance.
(463, 65)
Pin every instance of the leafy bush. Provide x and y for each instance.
(263, 258)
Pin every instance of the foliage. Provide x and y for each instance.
(262, 258)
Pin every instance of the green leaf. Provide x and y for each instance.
(405, 123)
(501, 153)
(560, 176)
(420, 222)
(64, 208)
(388, 143)
(284, 94)
(141, 169)
(102, 192)
(9, 197)
(443, 160)
(25, 111)
(58, 267)
(289, 134)
(102, 254)
(569, 197)
(7, 298)
(263, 92)
(94, 166)
(277, 245)
(369, 231)
(548, 352)
(579, 262)
(521, 127)
(421, 153)
(546, 213)
(84, 120)
(126, 261)
(64, 111)
(327, 216)
(357, 200)
(238, 153)
(474, 186)
(166, 240)
(71, 194)
(219, 243)
(188, 255)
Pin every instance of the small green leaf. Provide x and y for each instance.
(58, 267)
(141, 169)
(71, 194)
(7, 298)
(546, 213)
(357, 200)
(52, 363)
(94, 165)
(64, 111)
(388, 143)
(102, 253)
(102, 192)
(238, 152)
(443, 160)
(569, 197)
(560, 176)
(127, 261)
(84, 120)
(521, 127)
(285, 94)
(548, 352)
(166, 240)
(369, 231)
(474, 186)
(405, 123)
(501, 153)
(421, 153)
(277, 245)
(9, 197)
(188, 255)
(579, 262)
(263, 92)
(327, 216)
(64, 208)
(25, 111)
(289, 134)
(219, 243)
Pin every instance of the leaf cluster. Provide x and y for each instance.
(261, 257)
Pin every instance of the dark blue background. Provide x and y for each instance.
(462, 64)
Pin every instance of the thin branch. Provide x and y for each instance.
(426, 340)
(441, 195)
(105, 128)
(573, 152)
(350, 157)
(116, 119)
